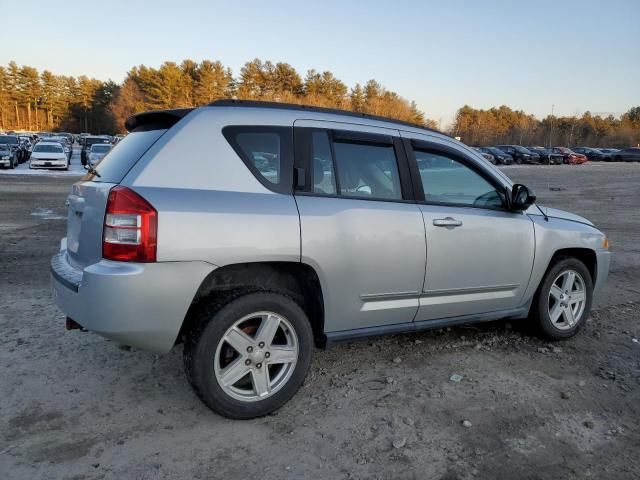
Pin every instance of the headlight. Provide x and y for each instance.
(6, 157)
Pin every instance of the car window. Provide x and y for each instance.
(263, 151)
(367, 170)
(48, 148)
(446, 180)
(324, 180)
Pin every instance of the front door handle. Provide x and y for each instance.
(447, 222)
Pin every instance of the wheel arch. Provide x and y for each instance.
(298, 280)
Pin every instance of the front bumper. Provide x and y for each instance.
(137, 304)
(5, 163)
(51, 163)
(603, 262)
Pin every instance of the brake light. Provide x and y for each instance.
(130, 231)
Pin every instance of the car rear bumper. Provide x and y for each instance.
(137, 304)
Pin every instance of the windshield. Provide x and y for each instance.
(9, 140)
(521, 149)
(48, 148)
(98, 148)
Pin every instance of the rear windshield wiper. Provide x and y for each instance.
(91, 169)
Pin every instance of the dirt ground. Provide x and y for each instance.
(76, 406)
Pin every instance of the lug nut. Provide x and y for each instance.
(247, 362)
(258, 365)
(261, 344)
(249, 349)
(267, 355)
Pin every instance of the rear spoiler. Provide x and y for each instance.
(156, 118)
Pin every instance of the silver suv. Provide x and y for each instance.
(252, 232)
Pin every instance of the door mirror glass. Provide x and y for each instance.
(521, 197)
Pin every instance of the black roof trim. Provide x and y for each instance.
(309, 108)
(163, 117)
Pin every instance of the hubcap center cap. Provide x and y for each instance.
(257, 356)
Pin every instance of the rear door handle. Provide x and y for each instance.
(447, 222)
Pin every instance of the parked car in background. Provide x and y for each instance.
(157, 250)
(49, 155)
(501, 157)
(520, 154)
(547, 156)
(569, 156)
(592, 154)
(97, 152)
(627, 155)
(8, 158)
(86, 146)
(609, 153)
(487, 156)
(16, 146)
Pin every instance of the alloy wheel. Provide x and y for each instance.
(567, 300)
(256, 356)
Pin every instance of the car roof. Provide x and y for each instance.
(49, 143)
(169, 117)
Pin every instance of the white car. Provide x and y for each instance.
(49, 155)
(64, 143)
(98, 152)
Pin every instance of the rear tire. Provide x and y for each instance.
(268, 381)
(557, 308)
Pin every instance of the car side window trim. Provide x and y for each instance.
(413, 145)
(285, 180)
(304, 161)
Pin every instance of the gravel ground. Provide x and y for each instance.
(77, 406)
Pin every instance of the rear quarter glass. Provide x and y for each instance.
(123, 156)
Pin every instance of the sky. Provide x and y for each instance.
(529, 55)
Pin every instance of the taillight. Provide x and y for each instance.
(130, 232)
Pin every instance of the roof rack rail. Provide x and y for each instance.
(309, 108)
(162, 117)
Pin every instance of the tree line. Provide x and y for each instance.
(503, 125)
(33, 100)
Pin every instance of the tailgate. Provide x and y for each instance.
(87, 203)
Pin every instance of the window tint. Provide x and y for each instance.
(263, 151)
(324, 180)
(446, 180)
(367, 170)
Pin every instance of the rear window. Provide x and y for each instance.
(9, 140)
(124, 155)
(99, 148)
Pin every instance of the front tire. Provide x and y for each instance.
(250, 357)
(563, 301)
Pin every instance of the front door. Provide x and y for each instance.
(479, 254)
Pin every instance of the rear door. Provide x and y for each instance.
(88, 199)
(479, 254)
(360, 228)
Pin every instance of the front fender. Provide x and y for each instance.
(557, 234)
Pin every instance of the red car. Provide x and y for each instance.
(569, 156)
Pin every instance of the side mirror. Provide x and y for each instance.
(521, 197)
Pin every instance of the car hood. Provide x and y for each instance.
(557, 213)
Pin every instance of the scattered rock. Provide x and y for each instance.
(478, 346)
(565, 395)
(95, 465)
(556, 350)
(390, 380)
(588, 424)
(418, 342)
(397, 360)
(543, 350)
(582, 383)
(399, 442)
(467, 424)
(455, 378)
(634, 340)
(408, 421)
